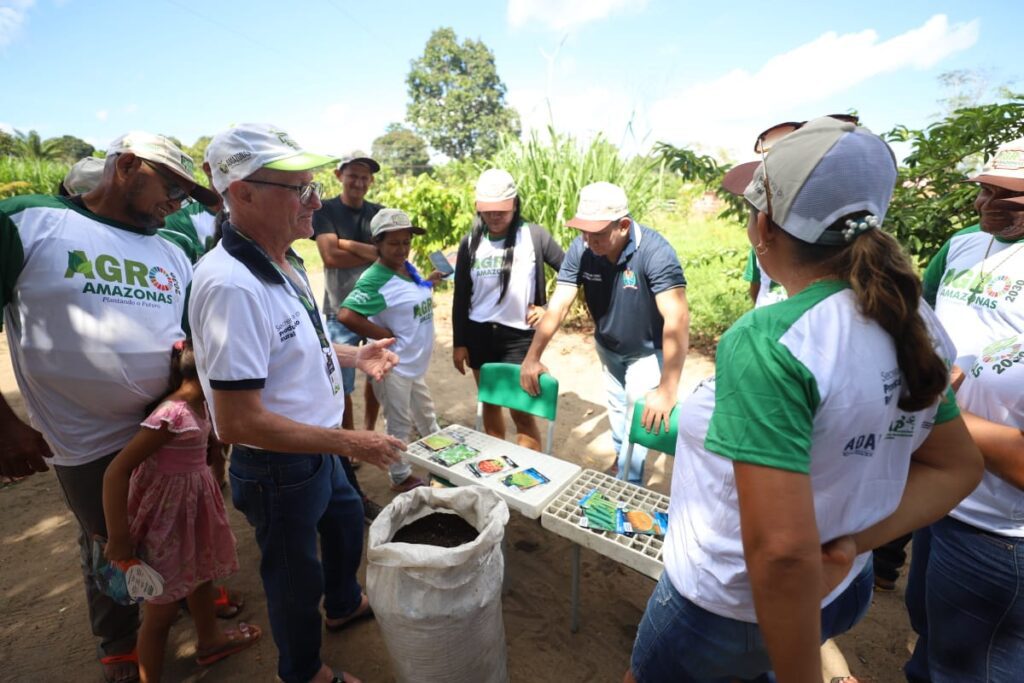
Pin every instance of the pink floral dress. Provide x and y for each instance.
(175, 510)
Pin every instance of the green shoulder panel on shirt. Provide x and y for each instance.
(751, 273)
(765, 398)
(365, 298)
(948, 409)
(178, 229)
(931, 280)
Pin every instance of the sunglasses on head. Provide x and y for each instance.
(772, 135)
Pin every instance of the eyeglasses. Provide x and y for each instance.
(172, 184)
(767, 139)
(306, 191)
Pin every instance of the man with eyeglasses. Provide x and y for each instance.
(93, 300)
(636, 293)
(273, 382)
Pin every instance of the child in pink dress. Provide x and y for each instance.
(171, 515)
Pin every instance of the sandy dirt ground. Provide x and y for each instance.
(44, 631)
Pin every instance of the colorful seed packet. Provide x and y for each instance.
(640, 522)
(599, 513)
(437, 442)
(525, 479)
(488, 467)
(126, 582)
(455, 454)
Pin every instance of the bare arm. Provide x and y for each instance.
(242, 418)
(22, 449)
(558, 308)
(1001, 445)
(675, 342)
(943, 470)
(115, 488)
(783, 555)
(342, 253)
(361, 325)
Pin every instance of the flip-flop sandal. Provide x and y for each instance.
(358, 615)
(110, 667)
(228, 608)
(249, 634)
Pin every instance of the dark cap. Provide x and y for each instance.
(367, 161)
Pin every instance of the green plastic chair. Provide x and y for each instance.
(499, 385)
(659, 440)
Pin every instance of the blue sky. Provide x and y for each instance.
(332, 72)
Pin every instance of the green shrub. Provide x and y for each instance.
(30, 176)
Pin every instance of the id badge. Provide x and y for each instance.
(329, 367)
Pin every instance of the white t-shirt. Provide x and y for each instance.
(980, 301)
(94, 310)
(251, 330)
(402, 306)
(781, 399)
(485, 273)
(769, 291)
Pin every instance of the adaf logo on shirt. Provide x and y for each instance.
(127, 279)
(863, 445)
(628, 279)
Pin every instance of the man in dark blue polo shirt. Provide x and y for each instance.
(636, 293)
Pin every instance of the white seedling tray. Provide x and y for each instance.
(530, 502)
(641, 552)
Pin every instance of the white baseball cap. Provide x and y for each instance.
(600, 204)
(1006, 167)
(390, 220)
(163, 151)
(238, 152)
(822, 172)
(495, 190)
(85, 175)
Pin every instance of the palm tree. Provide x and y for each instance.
(31, 146)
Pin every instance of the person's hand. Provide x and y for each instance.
(374, 448)
(534, 314)
(460, 356)
(837, 558)
(658, 407)
(529, 376)
(119, 549)
(956, 377)
(375, 360)
(22, 451)
(435, 276)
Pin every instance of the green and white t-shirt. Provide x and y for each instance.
(191, 227)
(770, 291)
(91, 308)
(486, 276)
(807, 385)
(976, 283)
(400, 305)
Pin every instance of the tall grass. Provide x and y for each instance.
(30, 176)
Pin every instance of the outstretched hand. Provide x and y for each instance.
(379, 450)
(375, 359)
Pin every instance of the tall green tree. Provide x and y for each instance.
(457, 100)
(401, 150)
(30, 146)
(7, 144)
(70, 149)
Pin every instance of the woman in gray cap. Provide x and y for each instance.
(827, 430)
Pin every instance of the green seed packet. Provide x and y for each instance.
(526, 479)
(437, 442)
(455, 454)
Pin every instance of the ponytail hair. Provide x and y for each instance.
(888, 291)
(477, 234)
(183, 366)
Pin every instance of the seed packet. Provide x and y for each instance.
(525, 479)
(488, 467)
(640, 522)
(124, 581)
(437, 442)
(455, 454)
(598, 512)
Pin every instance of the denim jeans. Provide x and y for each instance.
(340, 334)
(680, 642)
(966, 602)
(295, 503)
(626, 379)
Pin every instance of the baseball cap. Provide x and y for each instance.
(495, 190)
(390, 220)
(85, 175)
(237, 153)
(822, 172)
(1006, 167)
(367, 161)
(163, 151)
(737, 178)
(600, 204)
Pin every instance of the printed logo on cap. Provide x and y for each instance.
(1008, 160)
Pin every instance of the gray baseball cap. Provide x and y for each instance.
(391, 220)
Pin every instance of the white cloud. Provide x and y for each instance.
(102, 115)
(560, 15)
(12, 16)
(341, 127)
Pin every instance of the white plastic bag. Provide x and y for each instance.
(440, 608)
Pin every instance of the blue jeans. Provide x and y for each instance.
(295, 503)
(965, 596)
(626, 379)
(340, 334)
(680, 642)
